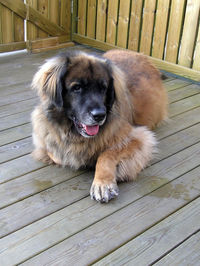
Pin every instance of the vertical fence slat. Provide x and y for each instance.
(42, 7)
(32, 30)
(91, 18)
(65, 15)
(53, 11)
(7, 25)
(123, 21)
(189, 33)
(74, 15)
(82, 5)
(135, 22)
(174, 30)
(160, 28)
(196, 63)
(1, 29)
(147, 26)
(112, 21)
(101, 20)
(18, 29)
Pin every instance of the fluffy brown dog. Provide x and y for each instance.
(98, 111)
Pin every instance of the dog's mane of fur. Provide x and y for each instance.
(45, 82)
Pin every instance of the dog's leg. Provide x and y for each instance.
(54, 159)
(41, 155)
(104, 186)
(123, 162)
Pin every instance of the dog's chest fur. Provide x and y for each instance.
(71, 153)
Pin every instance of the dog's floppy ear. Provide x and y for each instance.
(110, 97)
(122, 95)
(48, 82)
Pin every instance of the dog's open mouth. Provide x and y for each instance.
(91, 130)
(87, 130)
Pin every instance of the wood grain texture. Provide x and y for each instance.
(17, 108)
(161, 64)
(123, 23)
(112, 21)
(44, 9)
(101, 20)
(18, 167)
(14, 46)
(147, 27)
(15, 149)
(82, 7)
(15, 120)
(83, 248)
(32, 30)
(174, 30)
(160, 28)
(91, 18)
(179, 122)
(185, 254)
(196, 62)
(183, 92)
(32, 183)
(15, 133)
(135, 25)
(18, 29)
(191, 22)
(150, 245)
(65, 16)
(17, 97)
(184, 105)
(7, 20)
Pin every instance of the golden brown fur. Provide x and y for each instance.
(121, 149)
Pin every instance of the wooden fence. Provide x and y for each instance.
(166, 30)
(47, 24)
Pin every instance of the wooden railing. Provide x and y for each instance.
(166, 30)
(48, 24)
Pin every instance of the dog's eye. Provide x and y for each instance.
(76, 88)
(103, 87)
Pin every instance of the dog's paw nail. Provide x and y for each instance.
(104, 193)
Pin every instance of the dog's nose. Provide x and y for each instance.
(98, 114)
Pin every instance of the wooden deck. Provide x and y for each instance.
(47, 216)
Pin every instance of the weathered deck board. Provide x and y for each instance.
(179, 122)
(15, 133)
(184, 105)
(185, 254)
(73, 219)
(14, 120)
(18, 167)
(32, 183)
(19, 107)
(84, 248)
(52, 199)
(152, 244)
(61, 225)
(15, 149)
(175, 84)
(17, 97)
(16, 88)
(184, 92)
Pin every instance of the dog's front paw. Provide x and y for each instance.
(104, 192)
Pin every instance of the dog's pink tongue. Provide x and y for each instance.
(92, 130)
